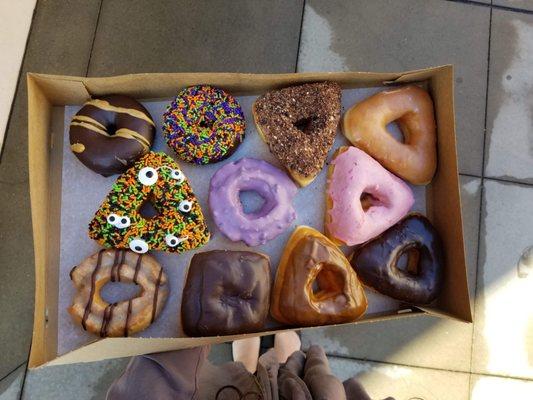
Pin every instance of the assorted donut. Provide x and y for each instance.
(368, 207)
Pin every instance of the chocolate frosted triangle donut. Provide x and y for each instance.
(299, 124)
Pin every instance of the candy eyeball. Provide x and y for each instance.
(177, 175)
(118, 221)
(113, 219)
(185, 206)
(173, 241)
(139, 246)
(123, 222)
(148, 176)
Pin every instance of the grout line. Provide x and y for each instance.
(469, 175)
(482, 193)
(94, 38)
(502, 180)
(496, 6)
(397, 364)
(13, 370)
(25, 375)
(426, 367)
(300, 37)
(10, 115)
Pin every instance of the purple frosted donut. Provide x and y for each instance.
(272, 184)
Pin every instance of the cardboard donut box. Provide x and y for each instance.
(49, 94)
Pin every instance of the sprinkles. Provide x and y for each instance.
(167, 189)
(203, 124)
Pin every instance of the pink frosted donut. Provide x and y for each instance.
(272, 184)
(363, 198)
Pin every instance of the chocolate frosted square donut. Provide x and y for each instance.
(226, 292)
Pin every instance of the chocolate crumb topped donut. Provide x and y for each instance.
(299, 124)
(126, 317)
(108, 134)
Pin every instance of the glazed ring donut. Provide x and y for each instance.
(179, 224)
(109, 133)
(273, 185)
(376, 261)
(365, 126)
(204, 124)
(126, 317)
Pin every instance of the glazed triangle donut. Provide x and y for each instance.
(315, 284)
(363, 198)
(179, 223)
(299, 124)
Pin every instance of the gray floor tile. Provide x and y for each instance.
(11, 385)
(503, 327)
(88, 381)
(520, 4)
(163, 36)
(401, 382)
(493, 387)
(49, 50)
(387, 35)
(422, 341)
(509, 145)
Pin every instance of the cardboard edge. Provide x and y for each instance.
(39, 114)
(108, 349)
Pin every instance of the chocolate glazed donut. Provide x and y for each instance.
(109, 133)
(376, 262)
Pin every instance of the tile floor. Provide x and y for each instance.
(491, 50)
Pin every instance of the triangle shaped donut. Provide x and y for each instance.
(363, 198)
(315, 284)
(179, 224)
(299, 124)
(365, 126)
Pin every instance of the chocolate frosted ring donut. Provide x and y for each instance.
(226, 292)
(126, 317)
(203, 124)
(273, 185)
(109, 133)
(376, 262)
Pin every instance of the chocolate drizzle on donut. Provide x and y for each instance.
(108, 315)
(128, 313)
(156, 292)
(137, 268)
(117, 263)
(108, 134)
(93, 287)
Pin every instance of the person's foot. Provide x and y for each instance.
(286, 343)
(247, 352)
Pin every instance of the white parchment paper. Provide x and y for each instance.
(83, 191)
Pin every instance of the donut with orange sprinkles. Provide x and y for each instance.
(178, 224)
(203, 124)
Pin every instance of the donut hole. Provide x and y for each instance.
(408, 261)
(306, 125)
(115, 292)
(369, 200)
(147, 210)
(393, 128)
(328, 283)
(206, 123)
(253, 203)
